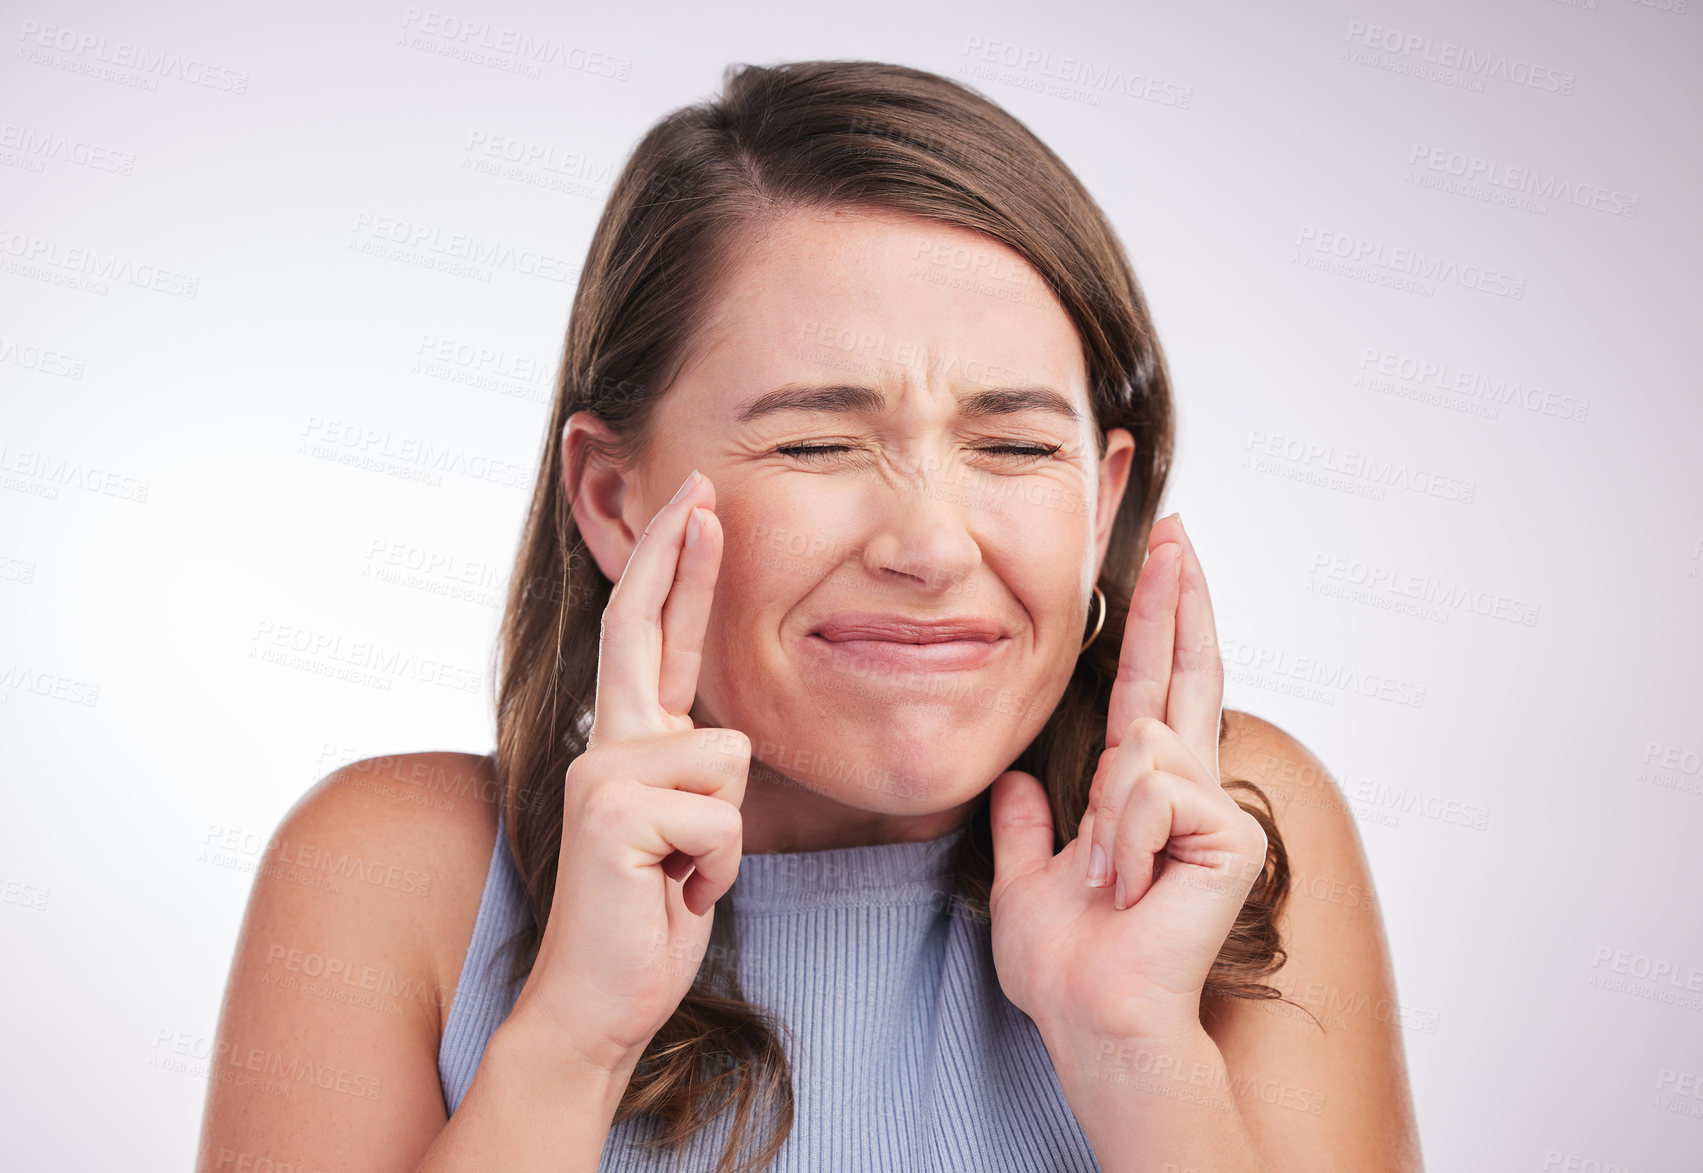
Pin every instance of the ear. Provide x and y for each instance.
(1114, 479)
(601, 494)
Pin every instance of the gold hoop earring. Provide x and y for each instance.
(1098, 623)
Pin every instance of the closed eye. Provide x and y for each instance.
(822, 451)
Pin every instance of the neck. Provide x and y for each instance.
(781, 814)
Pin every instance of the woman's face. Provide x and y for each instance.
(956, 479)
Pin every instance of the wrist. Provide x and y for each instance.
(533, 1105)
(555, 1038)
(1090, 1057)
(535, 1058)
(1176, 1026)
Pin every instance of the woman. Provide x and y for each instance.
(855, 803)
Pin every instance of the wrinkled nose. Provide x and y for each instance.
(921, 526)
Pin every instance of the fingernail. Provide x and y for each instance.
(1097, 867)
(1118, 897)
(692, 527)
(685, 488)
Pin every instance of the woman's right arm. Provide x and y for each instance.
(326, 1057)
(650, 814)
(529, 1108)
(360, 917)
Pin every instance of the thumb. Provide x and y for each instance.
(1021, 818)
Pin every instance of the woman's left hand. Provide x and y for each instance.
(1128, 959)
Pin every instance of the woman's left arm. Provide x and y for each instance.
(1330, 1094)
(1159, 1076)
(1263, 1086)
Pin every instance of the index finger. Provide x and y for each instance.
(686, 615)
(1196, 698)
(1144, 661)
(648, 634)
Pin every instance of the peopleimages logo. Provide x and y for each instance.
(360, 661)
(1366, 474)
(543, 156)
(46, 145)
(1525, 180)
(1468, 61)
(1067, 76)
(1261, 664)
(40, 474)
(38, 257)
(413, 457)
(462, 246)
(484, 44)
(1497, 390)
(1412, 262)
(85, 47)
(1423, 589)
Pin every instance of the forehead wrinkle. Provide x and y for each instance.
(848, 399)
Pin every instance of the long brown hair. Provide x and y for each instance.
(813, 135)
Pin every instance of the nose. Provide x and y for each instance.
(921, 529)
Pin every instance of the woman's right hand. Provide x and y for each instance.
(650, 800)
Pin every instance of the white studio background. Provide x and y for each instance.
(1424, 273)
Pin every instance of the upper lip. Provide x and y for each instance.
(910, 629)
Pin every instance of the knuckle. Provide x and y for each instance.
(1102, 778)
(1129, 841)
(1192, 655)
(733, 742)
(1148, 785)
(724, 750)
(724, 819)
(581, 773)
(607, 804)
(1103, 814)
(1144, 731)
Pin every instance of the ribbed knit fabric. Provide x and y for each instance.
(906, 1055)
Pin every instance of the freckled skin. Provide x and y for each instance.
(917, 517)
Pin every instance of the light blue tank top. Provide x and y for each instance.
(906, 1055)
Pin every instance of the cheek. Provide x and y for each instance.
(775, 548)
(1048, 544)
(781, 539)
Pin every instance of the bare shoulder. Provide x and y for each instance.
(1332, 1055)
(346, 965)
(1321, 840)
(1254, 749)
(416, 824)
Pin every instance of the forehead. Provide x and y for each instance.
(876, 297)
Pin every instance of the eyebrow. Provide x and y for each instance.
(852, 400)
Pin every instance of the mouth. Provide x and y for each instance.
(912, 644)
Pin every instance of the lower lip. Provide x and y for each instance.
(953, 655)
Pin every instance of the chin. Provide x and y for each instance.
(906, 759)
